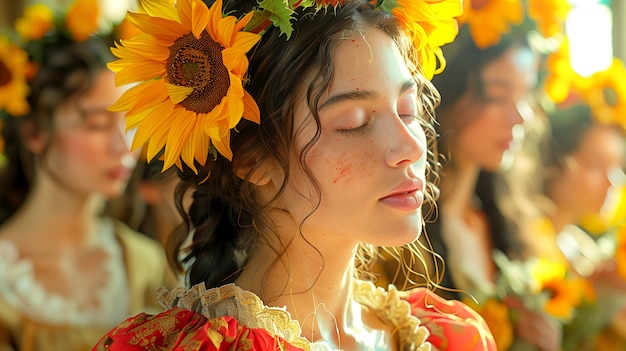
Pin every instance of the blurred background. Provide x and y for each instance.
(595, 27)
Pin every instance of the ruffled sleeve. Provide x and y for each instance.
(452, 324)
(180, 329)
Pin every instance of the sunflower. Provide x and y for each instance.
(549, 15)
(36, 21)
(431, 24)
(564, 294)
(561, 79)
(489, 19)
(82, 19)
(13, 86)
(605, 93)
(190, 63)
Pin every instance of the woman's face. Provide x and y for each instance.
(88, 150)
(582, 185)
(492, 114)
(371, 156)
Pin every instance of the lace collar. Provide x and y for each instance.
(22, 291)
(247, 307)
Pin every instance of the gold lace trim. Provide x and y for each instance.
(231, 300)
(389, 306)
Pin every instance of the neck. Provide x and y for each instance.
(458, 185)
(313, 280)
(69, 218)
(561, 218)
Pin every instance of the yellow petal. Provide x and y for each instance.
(215, 14)
(251, 109)
(182, 122)
(225, 31)
(200, 17)
(184, 9)
(160, 8)
(220, 138)
(139, 47)
(157, 27)
(158, 118)
(178, 93)
(128, 73)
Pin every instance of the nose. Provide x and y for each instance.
(119, 143)
(520, 112)
(407, 142)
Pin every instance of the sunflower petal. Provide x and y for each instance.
(181, 127)
(226, 28)
(184, 9)
(160, 8)
(200, 17)
(178, 93)
(128, 97)
(250, 109)
(127, 72)
(157, 119)
(157, 27)
(220, 138)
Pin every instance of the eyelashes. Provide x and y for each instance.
(406, 119)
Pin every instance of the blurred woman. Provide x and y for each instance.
(67, 273)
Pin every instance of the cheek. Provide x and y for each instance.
(352, 163)
(84, 149)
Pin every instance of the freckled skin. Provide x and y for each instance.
(367, 148)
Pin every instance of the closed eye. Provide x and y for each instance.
(354, 131)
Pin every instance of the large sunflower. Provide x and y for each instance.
(489, 19)
(606, 94)
(13, 86)
(191, 64)
(431, 24)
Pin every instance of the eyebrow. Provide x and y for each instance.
(361, 94)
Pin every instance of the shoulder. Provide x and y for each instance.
(133, 239)
(180, 327)
(139, 248)
(452, 324)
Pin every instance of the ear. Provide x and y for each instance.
(243, 166)
(34, 138)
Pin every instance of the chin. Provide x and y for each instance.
(402, 236)
(112, 192)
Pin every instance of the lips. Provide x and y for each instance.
(408, 196)
(119, 173)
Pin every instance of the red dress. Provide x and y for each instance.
(229, 318)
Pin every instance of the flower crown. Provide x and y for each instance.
(489, 20)
(604, 91)
(190, 64)
(37, 30)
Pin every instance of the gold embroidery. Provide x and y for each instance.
(144, 333)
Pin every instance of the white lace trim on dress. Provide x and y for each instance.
(21, 290)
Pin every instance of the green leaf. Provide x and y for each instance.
(280, 14)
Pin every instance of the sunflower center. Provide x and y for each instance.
(479, 4)
(611, 97)
(198, 64)
(5, 74)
